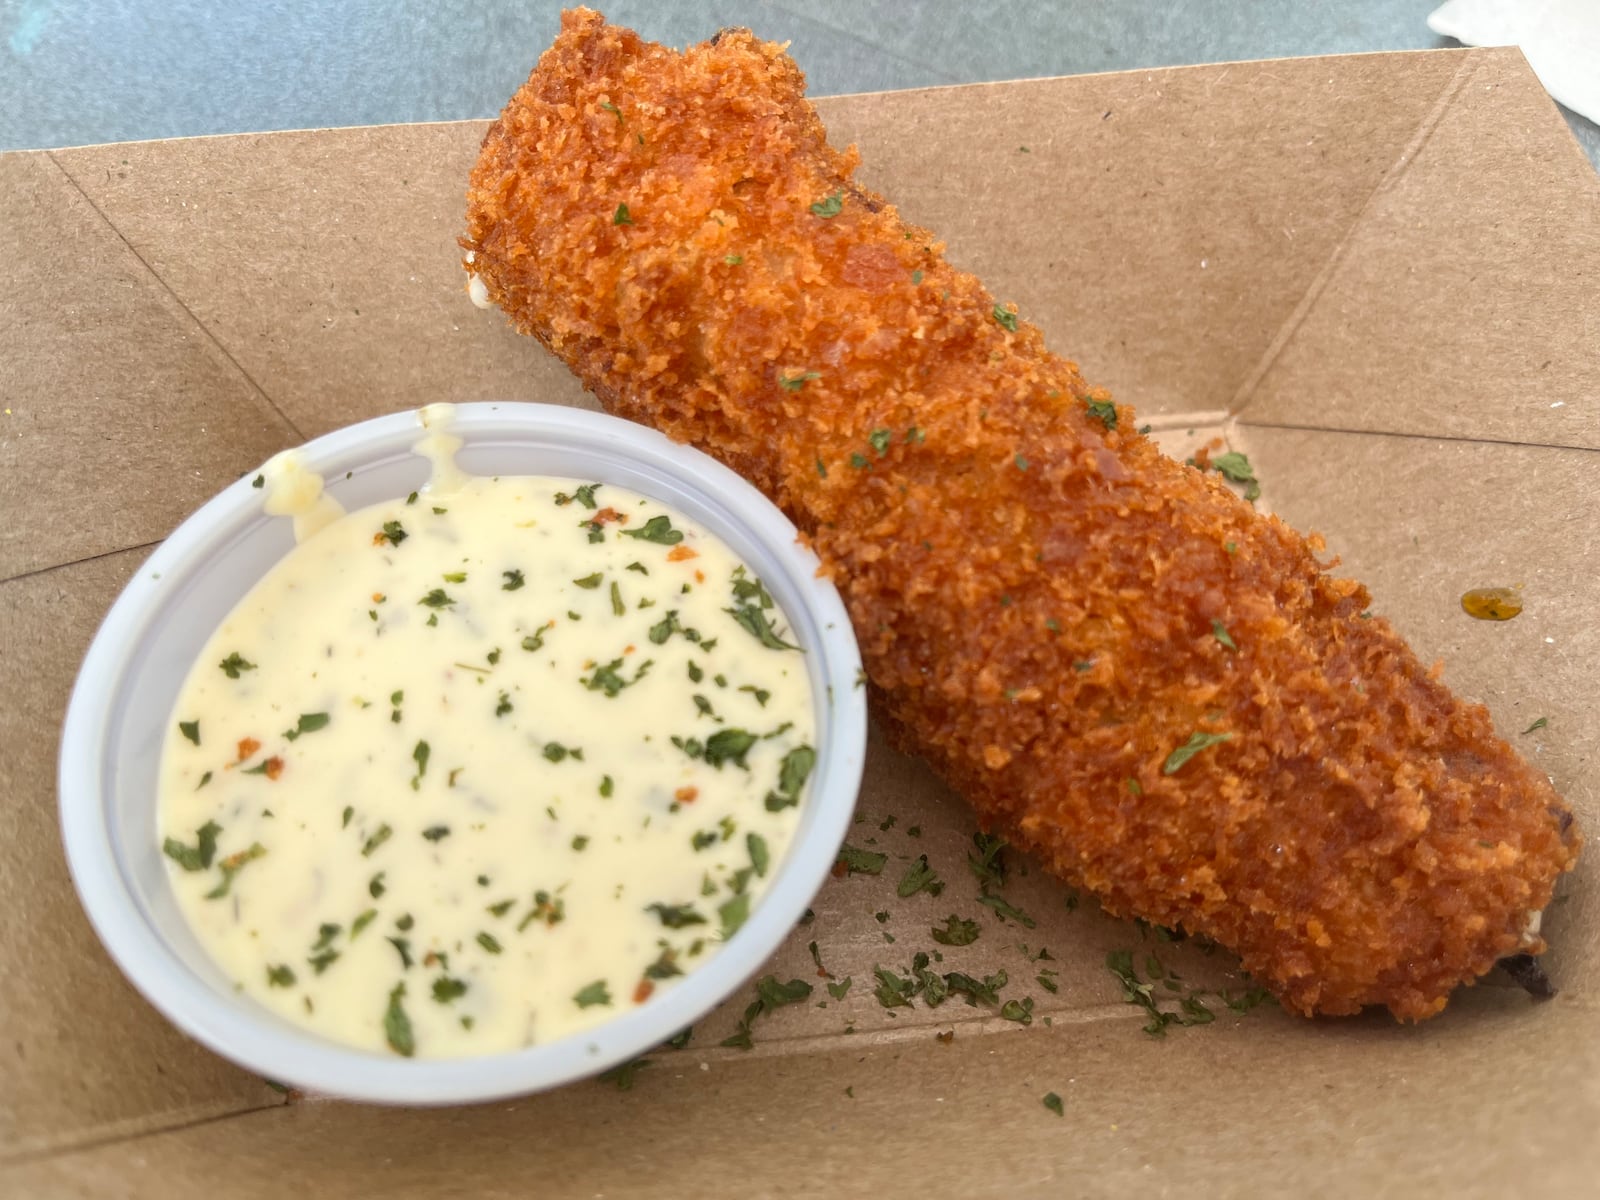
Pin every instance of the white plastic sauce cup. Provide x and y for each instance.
(117, 722)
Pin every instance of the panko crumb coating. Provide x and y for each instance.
(1038, 591)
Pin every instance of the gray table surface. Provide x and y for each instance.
(74, 72)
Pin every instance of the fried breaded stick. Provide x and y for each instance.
(1118, 662)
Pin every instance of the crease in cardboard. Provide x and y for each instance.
(140, 548)
(1241, 422)
(72, 181)
(1166, 422)
(129, 1129)
(987, 1023)
(1319, 283)
(982, 1023)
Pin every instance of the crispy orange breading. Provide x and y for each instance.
(1038, 591)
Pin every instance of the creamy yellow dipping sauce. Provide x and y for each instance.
(477, 769)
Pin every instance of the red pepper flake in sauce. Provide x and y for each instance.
(247, 747)
(682, 553)
(642, 992)
(686, 795)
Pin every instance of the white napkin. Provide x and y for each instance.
(1561, 39)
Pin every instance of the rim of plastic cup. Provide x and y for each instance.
(255, 1038)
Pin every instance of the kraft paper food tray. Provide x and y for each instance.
(1378, 275)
